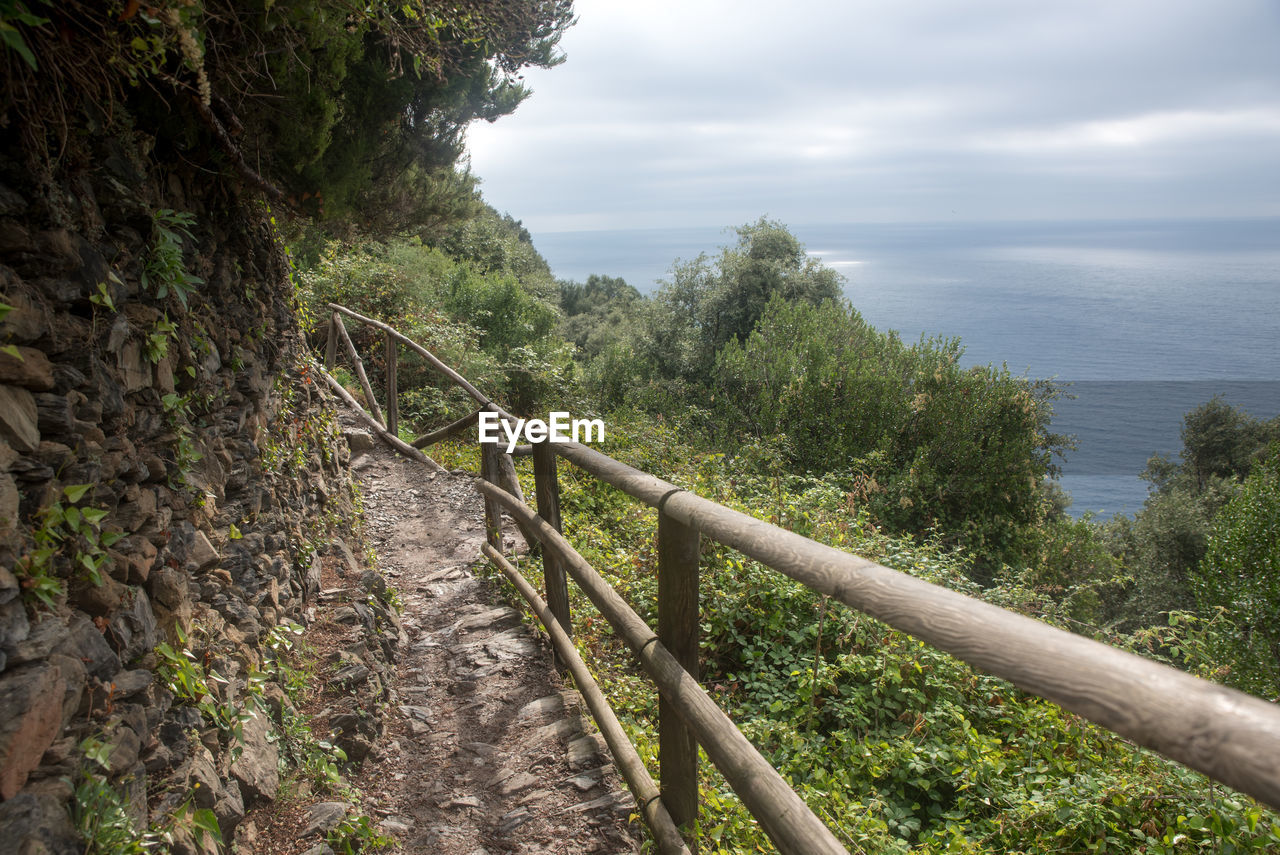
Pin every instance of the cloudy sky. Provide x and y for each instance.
(714, 112)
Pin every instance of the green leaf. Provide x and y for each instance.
(206, 821)
(76, 492)
(14, 41)
(93, 516)
(13, 351)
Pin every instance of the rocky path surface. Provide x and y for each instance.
(486, 751)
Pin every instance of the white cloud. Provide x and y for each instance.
(705, 112)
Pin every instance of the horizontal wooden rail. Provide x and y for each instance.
(784, 816)
(454, 427)
(1226, 734)
(476, 395)
(624, 753)
(390, 439)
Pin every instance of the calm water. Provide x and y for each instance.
(1145, 319)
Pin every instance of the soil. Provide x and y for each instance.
(485, 749)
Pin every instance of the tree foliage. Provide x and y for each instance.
(351, 111)
(1241, 574)
(1165, 541)
(705, 304)
(932, 445)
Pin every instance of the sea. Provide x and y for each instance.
(1144, 320)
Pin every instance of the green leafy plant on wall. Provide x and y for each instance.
(12, 14)
(165, 271)
(194, 685)
(97, 808)
(69, 531)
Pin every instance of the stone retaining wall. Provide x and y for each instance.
(168, 474)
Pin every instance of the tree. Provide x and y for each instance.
(1168, 538)
(1241, 574)
(1219, 440)
(704, 305)
(929, 443)
(332, 107)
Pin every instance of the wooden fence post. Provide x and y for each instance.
(358, 364)
(331, 347)
(678, 632)
(492, 510)
(393, 409)
(547, 488)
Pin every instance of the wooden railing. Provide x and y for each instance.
(1228, 735)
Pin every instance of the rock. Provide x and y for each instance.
(171, 599)
(30, 718)
(395, 826)
(322, 817)
(257, 767)
(9, 585)
(583, 751)
(129, 683)
(19, 419)
(486, 618)
(7, 456)
(10, 500)
(359, 441)
(77, 680)
(124, 748)
(202, 554)
(14, 626)
(83, 640)
(319, 849)
(97, 600)
(516, 783)
(38, 825)
(550, 705)
(31, 369)
(514, 819)
(351, 675)
(203, 780)
(133, 786)
(26, 323)
(311, 583)
(133, 627)
(55, 416)
(587, 780)
(229, 809)
(558, 730)
(193, 841)
(351, 566)
(131, 360)
(137, 508)
(355, 745)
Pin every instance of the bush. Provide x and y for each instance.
(1241, 574)
(932, 445)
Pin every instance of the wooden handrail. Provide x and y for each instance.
(476, 395)
(457, 426)
(1226, 734)
(628, 761)
(782, 813)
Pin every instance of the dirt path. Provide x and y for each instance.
(485, 750)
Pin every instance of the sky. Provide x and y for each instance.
(714, 113)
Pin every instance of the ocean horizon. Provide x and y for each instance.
(1145, 319)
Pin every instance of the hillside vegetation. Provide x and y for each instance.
(748, 380)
